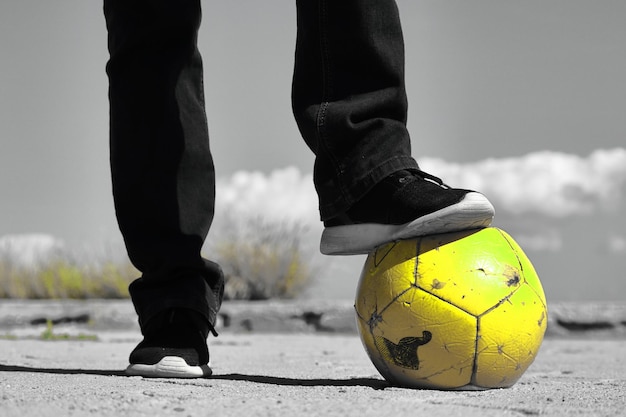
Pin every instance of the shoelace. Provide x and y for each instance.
(425, 176)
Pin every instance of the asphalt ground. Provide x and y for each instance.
(76, 368)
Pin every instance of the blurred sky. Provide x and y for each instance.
(523, 99)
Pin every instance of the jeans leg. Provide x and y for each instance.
(162, 169)
(349, 98)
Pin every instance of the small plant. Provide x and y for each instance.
(263, 260)
(49, 334)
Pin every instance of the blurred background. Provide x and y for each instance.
(524, 101)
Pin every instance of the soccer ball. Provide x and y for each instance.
(456, 310)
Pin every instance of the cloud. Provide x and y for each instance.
(617, 244)
(283, 195)
(29, 249)
(546, 183)
(547, 241)
(551, 183)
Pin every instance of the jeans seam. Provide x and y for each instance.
(327, 93)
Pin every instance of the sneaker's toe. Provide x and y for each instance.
(169, 367)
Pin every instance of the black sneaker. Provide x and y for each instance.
(405, 205)
(174, 346)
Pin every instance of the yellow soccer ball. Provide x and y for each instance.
(456, 310)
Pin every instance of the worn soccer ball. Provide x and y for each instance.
(456, 310)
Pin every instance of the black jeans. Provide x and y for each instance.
(348, 99)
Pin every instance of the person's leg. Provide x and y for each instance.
(162, 170)
(349, 98)
(350, 104)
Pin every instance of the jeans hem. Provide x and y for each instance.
(361, 185)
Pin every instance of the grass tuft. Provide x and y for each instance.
(61, 278)
(50, 335)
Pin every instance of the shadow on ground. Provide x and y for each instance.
(259, 379)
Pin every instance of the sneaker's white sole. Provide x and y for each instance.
(169, 367)
(473, 212)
